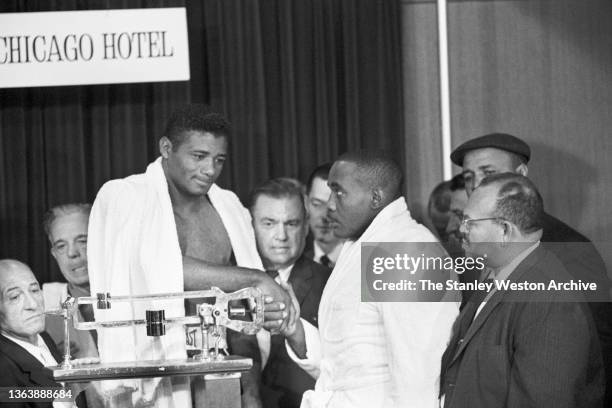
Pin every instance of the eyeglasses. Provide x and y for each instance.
(467, 222)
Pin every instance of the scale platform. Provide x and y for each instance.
(151, 368)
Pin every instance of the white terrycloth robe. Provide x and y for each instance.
(375, 355)
(133, 249)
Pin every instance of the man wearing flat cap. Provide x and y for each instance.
(499, 153)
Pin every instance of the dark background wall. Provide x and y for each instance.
(538, 69)
(301, 81)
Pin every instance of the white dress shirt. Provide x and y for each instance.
(284, 274)
(333, 255)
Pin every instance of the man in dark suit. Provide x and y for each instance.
(498, 153)
(25, 349)
(519, 348)
(322, 245)
(281, 226)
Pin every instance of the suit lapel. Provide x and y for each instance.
(52, 348)
(299, 278)
(26, 362)
(497, 298)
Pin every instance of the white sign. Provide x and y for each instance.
(93, 47)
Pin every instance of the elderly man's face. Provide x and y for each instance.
(68, 235)
(280, 230)
(196, 163)
(350, 205)
(21, 303)
(481, 234)
(480, 163)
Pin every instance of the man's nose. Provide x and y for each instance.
(331, 204)
(453, 224)
(73, 251)
(208, 167)
(281, 232)
(32, 301)
(476, 182)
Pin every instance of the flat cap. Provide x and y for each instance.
(501, 141)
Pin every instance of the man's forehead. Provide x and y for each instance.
(340, 171)
(275, 206)
(68, 225)
(483, 199)
(15, 275)
(75, 219)
(319, 188)
(488, 156)
(198, 140)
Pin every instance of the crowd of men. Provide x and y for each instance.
(172, 229)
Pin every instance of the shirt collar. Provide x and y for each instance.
(41, 352)
(284, 273)
(333, 255)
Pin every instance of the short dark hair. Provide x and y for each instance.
(518, 200)
(457, 183)
(440, 197)
(194, 117)
(63, 209)
(281, 187)
(321, 171)
(377, 170)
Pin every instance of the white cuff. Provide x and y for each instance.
(311, 364)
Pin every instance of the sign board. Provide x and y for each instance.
(93, 47)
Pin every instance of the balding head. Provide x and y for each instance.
(517, 201)
(505, 209)
(21, 302)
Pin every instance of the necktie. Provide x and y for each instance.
(273, 273)
(325, 261)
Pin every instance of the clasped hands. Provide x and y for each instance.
(282, 311)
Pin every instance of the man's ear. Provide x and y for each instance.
(522, 169)
(165, 146)
(377, 198)
(506, 232)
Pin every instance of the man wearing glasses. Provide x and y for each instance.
(498, 153)
(518, 348)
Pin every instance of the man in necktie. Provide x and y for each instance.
(281, 224)
(518, 348)
(325, 246)
(499, 153)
